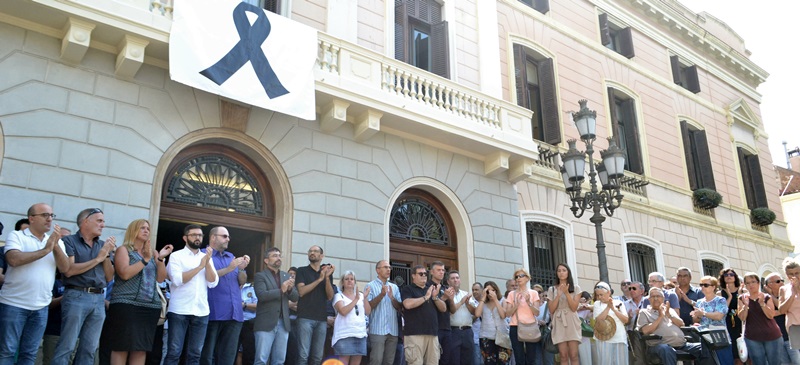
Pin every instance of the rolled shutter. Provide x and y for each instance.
(704, 160)
(687, 154)
(626, 43)
(605, 31)
(676, 69)
(440, 64)
(401, 30)
(550, 115)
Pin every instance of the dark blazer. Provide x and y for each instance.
(271, 301)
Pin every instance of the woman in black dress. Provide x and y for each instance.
(730, 286)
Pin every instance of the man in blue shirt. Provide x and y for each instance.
(384, 299)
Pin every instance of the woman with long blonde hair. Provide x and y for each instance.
(135, 305)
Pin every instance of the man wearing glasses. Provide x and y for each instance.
(191, 273)
(660, 319)
(773, 286)
(656, 280)
(623, 295)
(33, 255)
(83, 308)
(224, 301)
(315, 286)
(632, 305)
(383, 331)
(274, 289)
(422, 307)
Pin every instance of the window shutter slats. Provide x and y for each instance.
(520, 77)
(632, 136)
(605, 32)
(626, 42)
(401, 32)
(687, 153)
(704, 159)
(613, 115)
(550, 115)
(440, 64)
(746, 180)
(757, 181)
(692, 79)
(676, 69)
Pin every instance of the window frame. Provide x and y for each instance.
(615, 37)
(699, 170)
(548, 119)
(684, 75)
(634, 238)
(406, 19)
(628, 137)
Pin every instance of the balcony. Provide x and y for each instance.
(354, 85)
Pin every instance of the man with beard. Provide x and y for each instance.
(191, 273)
(226, 312)
(315, 287)
(274, 289)
(446, 294)
(422, 307)
(83, 306)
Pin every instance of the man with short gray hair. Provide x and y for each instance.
(687, 294)
(656, 280)
(384, 299)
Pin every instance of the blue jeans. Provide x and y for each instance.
(222, 342)
(668, 355)
(192, 329)
(761, 352)
(792, 356)
(82, 317)
(524, 353)
(310, 341)
(271, 345)
(20, 329)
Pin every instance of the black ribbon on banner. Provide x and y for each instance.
(251, 37)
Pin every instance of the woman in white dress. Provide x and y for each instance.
(611, 341)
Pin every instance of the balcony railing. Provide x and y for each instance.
(633, 184)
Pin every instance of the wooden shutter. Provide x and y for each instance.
(746, 180)
(757, 181)
(520, 76)
(688, 155)
(692, 79)
(612, 103)
(542, 6)
(273, 6)
(632, 136)
(401, 32)
(676, 69)
(704, 160)
(440, 64)
(550, 115)
(605, 31)
(626, 42)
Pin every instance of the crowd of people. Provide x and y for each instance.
(75, 298)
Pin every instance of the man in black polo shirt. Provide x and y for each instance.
(422, 307)
(315, 286)
(446, 294)
(82, 305)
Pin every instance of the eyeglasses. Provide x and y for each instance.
(313, 251)
(422, 274)
(199, 235)
(731, 273)
(356, 309)
(655, 281)
(625, 283)
(520, 276)
(225, 236)
(632, 288)
(778, 281)
(44, 215)
(94, 211)
(705, 285)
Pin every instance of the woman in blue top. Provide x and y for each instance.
(710, 311)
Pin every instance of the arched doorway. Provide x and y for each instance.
(420, 232)
(215, 185)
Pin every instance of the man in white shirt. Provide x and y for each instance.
(32, 256)
(191, 273)
(384, 299)
(461, 322)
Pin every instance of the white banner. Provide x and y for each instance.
(243, 52)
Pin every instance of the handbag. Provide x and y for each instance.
(742, 348)
(163, 315)
(501, 337)
(715, 338)
(528, 332)
(547, 340)
(586, 329)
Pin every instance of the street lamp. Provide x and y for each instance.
(610, 170)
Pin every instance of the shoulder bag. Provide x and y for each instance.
(528, 332)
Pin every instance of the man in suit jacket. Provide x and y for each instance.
(274, 289)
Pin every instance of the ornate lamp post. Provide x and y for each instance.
(606, 198)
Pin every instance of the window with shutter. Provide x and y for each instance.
(536, 90)
(752, 179)
(626, 129)
(642, 261)
(542, 6)
(615, 37)
(684, 75)
(698, 159)
(420, 36)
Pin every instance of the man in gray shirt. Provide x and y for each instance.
(83, 306)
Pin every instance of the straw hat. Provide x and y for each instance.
(605, 329)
